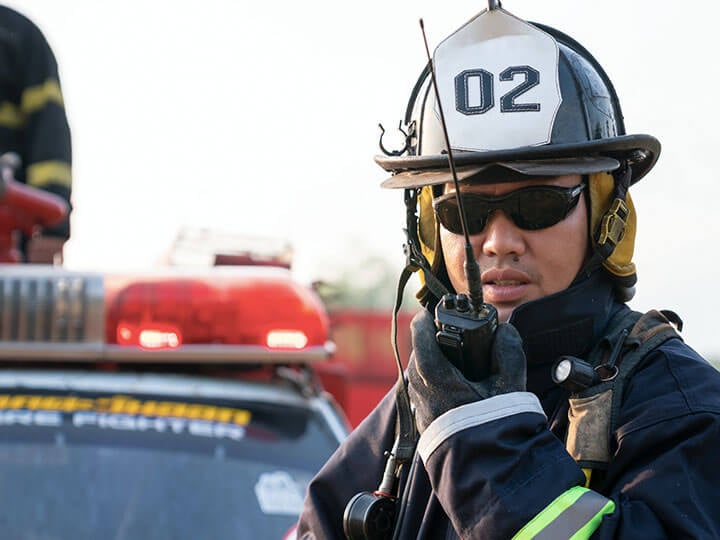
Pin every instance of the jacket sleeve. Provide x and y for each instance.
(496, 468)
(356, 466)
(499, 472)
(34, 121)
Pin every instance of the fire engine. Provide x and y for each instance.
(363, 368)
(172, 403)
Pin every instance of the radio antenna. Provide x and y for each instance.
(472, 269)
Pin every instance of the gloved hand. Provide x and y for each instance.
(436, 386)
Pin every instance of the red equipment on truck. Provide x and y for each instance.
(23, 208)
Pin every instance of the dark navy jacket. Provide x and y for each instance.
(491, 480)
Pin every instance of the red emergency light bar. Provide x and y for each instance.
(221, 314)
(234, 313)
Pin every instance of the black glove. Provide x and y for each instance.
(436, 386)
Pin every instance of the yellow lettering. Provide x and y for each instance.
(69, 404)
(194, 411)
(120, 404)
(224, 414)
(84, 404)
(242, 417)
(51, 403)
(124, 404)
(102, 404)
(179, 409)
(165, 408)
(34, 402)
(149, 408)
(17, 402)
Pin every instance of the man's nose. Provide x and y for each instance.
(501, 236)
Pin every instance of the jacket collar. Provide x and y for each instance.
(566, 323)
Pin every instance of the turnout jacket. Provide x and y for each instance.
(499, 468)
(33, 122)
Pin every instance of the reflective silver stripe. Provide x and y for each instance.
(475, 414)
(576, 517)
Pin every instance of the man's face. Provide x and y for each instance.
(519, 265)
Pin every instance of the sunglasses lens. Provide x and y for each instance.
(476, 213)
(539, 209)
(449, 216)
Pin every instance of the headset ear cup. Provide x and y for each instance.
(620, 262)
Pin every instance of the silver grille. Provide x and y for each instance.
(50, 304)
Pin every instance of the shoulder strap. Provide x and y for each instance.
(592, 414)
(650, 331)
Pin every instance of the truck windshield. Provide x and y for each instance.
(129, 467)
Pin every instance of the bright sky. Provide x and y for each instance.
(261, 118)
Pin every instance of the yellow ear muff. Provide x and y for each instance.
(427, 226)
(606, 219)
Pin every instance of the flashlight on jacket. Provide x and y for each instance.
(574, 374)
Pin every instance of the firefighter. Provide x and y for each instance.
(33, 124)
(581, 418)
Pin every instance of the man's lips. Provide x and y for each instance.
(504, 285)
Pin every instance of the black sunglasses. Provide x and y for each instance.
(530, 208)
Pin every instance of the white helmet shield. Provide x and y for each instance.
(498, 82)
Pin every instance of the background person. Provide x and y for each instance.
(33, 124)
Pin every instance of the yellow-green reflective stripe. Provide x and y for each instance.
(594, 523)
(574, 514)
(543, 519)
(49, 172)
(35, 97)
(10, 115)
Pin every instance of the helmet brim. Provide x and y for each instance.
(605, 155)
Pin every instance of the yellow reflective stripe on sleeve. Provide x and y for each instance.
(574, 515)
(49, 172)
(10, 115)
(36, 97)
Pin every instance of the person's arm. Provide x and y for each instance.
(493, 464)
(500, 473)
(47, 157)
